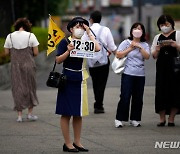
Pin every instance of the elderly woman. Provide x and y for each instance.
(72, 100)
(165, 47)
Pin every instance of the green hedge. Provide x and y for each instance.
(42, 36)
(173, 10)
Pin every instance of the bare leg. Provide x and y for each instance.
(172, 115)
(77, 126)
(30, 111)
(64, 122)
(19, 113)
(162, 115)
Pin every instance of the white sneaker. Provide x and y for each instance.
(32, 117)
(19, 119)
(118, 124)
(135, 123)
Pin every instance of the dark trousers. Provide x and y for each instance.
(132, 89)
(99, 77)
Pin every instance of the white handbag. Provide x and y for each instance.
(118, 64)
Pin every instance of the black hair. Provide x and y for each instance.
(96, 16)
(22, 22)
(163, 19)
(142, 39)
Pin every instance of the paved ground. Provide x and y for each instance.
(98, 134)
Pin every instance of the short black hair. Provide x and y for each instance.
(96, 16)
(163, 19)
(143, 37)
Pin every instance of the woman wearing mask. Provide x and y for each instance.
(164, 48)
(22, 45)
(133, 78)
(72, 100)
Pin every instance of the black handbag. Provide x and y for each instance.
(177, 63)
(56, 79)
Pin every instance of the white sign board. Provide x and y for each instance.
(82, 49)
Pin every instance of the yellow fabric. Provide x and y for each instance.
(84, 103)
(55, 35)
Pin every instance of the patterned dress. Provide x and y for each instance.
(23, 78)
(73, 100)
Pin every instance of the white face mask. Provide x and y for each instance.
(166, 29)
(137, 33)
(78, 32)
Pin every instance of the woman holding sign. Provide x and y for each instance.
(72, 100)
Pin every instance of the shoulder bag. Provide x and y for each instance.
(56, 79)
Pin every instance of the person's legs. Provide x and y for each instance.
(172, 115)
(137, 98)
(162, 115)
(122, 113)
(19, 119)
(77, 126)
(99, 79)
(30, 115)
(64, 123)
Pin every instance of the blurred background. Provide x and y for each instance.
(118, 15)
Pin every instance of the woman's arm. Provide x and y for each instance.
(35, 51)
(61, 58)
(92, 38)
(6, 51)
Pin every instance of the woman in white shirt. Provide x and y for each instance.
(22, 47)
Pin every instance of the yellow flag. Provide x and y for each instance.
(55, 35)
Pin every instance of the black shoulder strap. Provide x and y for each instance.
(11, 40)
(29, 39)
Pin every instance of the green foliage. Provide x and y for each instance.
(42, 36)
(172, 10)
(3, 58)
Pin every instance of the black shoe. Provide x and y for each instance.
(82, 149)
(171, 124)
(97, 111)
(161, 124)
(66, 149)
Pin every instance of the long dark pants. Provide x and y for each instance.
(99, 77)
(132, 89)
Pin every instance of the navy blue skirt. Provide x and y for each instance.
(72, 100)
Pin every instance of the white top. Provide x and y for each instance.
(154, 44)
(134, 64)
(106, 37)
(20, 40)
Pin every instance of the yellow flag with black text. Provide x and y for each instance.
(55, 35)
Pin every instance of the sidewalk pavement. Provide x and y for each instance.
(98, 134)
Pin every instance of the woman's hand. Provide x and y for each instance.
(174, 44)
(158, 47)
(86, 29)
(70, 47)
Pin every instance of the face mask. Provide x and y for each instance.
(137, 33)
(78, 32)
(166, 29)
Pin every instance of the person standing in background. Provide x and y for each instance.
(99, 66)
(136, 50)
(22, 45)
(165, 47)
